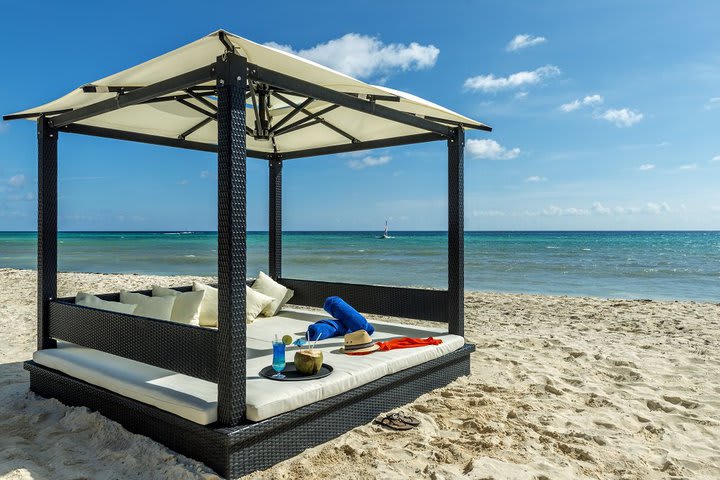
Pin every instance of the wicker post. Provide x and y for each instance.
(275, 218)
(47, 229)
(232, 220)
(456, 246)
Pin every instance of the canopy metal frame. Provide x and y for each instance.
(234, 81)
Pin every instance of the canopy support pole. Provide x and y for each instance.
(232, 222)
(456, 245)
(275, 218)
(47, 229)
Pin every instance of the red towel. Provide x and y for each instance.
(407, 342)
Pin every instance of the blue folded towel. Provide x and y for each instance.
(348, 316)
(325, 329)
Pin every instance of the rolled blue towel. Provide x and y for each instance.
(348, 316)
(325, 329)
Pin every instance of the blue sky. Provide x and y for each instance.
(605, 114)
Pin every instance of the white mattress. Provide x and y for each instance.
(196, 399)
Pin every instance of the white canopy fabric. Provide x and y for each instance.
(171, 119)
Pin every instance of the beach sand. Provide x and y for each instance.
(561, 387)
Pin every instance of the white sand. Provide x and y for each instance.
(561, 388)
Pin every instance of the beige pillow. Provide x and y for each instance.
(209, 304)
(151, 307)
(186, 308)
(271, 288)
(87, 300)
(255, 302)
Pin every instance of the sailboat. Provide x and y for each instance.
(385, 234)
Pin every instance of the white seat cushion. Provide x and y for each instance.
(196, 399)
(185, 396)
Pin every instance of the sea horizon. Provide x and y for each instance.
(625, 264)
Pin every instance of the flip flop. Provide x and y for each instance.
(405, 418)
(393, 423)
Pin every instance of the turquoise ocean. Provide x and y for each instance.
(652, 265)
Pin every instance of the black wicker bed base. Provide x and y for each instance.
(237, 451)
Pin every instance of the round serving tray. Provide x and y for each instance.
(292, 375)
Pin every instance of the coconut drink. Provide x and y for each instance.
(309, 361)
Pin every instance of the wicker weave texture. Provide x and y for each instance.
(47, 229)
(456, 243)
(175, 346)
(422, 304)
(275, 218)
(232, 223)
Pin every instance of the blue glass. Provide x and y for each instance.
(278, 359)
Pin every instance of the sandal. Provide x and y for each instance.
(408, 419)
(392, 422)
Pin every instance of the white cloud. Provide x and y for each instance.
(491, 83)
(204, 174)
(646, 166)
(183, 182)
(365, 56)
(713, 103)
(689, 166)
(521, 95)
(650, 208)
(716, 158)
(589, 100)
(597, 208)
(488, 213)
(536, 178)
(623, 117)
(553, 211)
(17, 180)
(490, 150)
(359, 163)
(600, 209)
(524, 41)
(716, 208)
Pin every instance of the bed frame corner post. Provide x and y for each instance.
(275, 217)
(232, 73)
(456, 242)
(47, 229)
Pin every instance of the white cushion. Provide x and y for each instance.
(151, 307)
(267, 398)
(87, 300)
(187, 397)
(196, 399)
(271, 288)
(209, 304)
(255, 302)
(186, 308)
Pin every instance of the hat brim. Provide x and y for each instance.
(369, 349)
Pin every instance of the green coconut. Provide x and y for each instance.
(308, 362)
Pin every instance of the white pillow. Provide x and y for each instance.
(151, 307)
(255, 302)
(286, 298)
(186, 308)
(271, 288)
(209, 304)
(87, 300)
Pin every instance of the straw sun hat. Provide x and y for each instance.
(358, 343)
